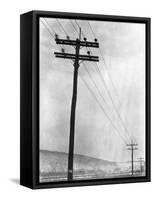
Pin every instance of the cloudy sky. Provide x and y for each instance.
(102, 129)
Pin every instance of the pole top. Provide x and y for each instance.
(80, 34)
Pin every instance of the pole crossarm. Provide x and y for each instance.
(132, 144)
(133, 148)
(75, 42)
(73, 56)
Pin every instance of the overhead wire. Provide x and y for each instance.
(111, 98)
(109, 94)
(47, 29)
(105, 65)
(61, 26)
(89, 74)
(88, 71)
(49, 25)
(103, 110)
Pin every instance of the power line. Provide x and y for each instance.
(85, 66)
(47, 29)
(103, 110)
(91, 28)
(49, 25)
(95, 85)
(108, 89)
(73, 26)
(103, 81)
(110, 96)
(76, 65)
(61, 26)
(62, 46)
(99, 72)
(109, 76)
(79, 27)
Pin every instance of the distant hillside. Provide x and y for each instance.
(52, 163)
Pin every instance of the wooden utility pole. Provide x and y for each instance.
(132, 147)
(78, 43)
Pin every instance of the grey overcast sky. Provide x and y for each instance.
(123, 48)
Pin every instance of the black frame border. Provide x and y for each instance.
(35, 98)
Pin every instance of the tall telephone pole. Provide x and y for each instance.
(78, 43)
(132, 148)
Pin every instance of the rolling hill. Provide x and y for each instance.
(53, 165)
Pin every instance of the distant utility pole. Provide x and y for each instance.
(132, 148)
(141, 160)
(77, 44)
